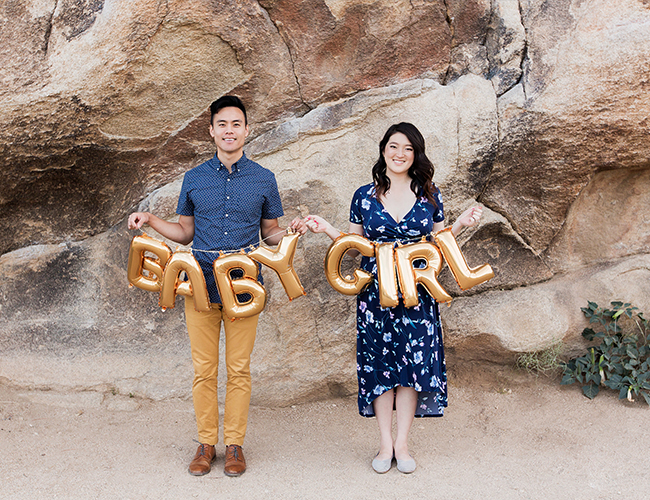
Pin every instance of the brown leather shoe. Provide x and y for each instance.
(201, 464)
(235, 461)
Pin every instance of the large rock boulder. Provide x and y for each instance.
(581, 107)
(72, 299)
(536, 109)
(100, 104)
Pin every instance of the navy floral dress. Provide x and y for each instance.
(398, 346)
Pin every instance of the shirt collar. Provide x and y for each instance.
(238, 165)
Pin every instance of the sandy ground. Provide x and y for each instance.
(524, 439)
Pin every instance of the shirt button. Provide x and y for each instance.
(228, 179)
(225, 232)
(227, 197)
(226, 215)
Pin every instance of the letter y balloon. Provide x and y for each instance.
(281, 261)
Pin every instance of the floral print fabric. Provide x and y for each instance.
(398, 346)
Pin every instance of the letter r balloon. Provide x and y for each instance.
(409, 276)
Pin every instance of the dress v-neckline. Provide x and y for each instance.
(397, 222)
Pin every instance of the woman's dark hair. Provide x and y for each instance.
(227, 101)
(421, 172)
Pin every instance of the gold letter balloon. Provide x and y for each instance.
(139, 262)
(388, 295)
(409, 276)
(172, 285)
(229, 287)
(402, 257)
(281, 261)
(334, 256)
(465, 276)
(163, 275)
(163, 272)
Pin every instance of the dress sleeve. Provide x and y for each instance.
(185, 205)
(355, 208)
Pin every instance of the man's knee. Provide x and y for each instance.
(237, 371)
(205, 370)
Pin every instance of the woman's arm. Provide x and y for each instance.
(317, 224)
(438, 226)
(468, 218)
(356, 229)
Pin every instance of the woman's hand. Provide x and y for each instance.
(317, 224)
(468, 218)
(471, 216)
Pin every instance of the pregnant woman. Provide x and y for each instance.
(400, 357)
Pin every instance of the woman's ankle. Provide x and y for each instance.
(385, 451)
(401, 451)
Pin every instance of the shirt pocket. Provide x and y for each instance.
(208, 202)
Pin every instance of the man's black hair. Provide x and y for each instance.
(227, 101)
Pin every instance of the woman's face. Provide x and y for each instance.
(398, 154)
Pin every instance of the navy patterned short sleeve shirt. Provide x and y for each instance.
(228, 208)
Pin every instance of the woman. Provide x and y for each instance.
(400, 357)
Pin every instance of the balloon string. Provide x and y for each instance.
(288, 231)
(225, 252)
(404, 240)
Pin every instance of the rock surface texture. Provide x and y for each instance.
(537, 109)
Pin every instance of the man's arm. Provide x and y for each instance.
(181, 232)
(272, 233)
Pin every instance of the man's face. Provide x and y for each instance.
(229, 131)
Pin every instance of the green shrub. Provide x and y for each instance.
(622, 359)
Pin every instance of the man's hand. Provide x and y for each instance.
(138, 219)
(272, 233)
(298, 225)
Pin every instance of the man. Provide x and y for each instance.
(225, 203)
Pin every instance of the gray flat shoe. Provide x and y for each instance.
(382, 466)
(406, 466)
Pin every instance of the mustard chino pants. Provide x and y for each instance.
(204, 329)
